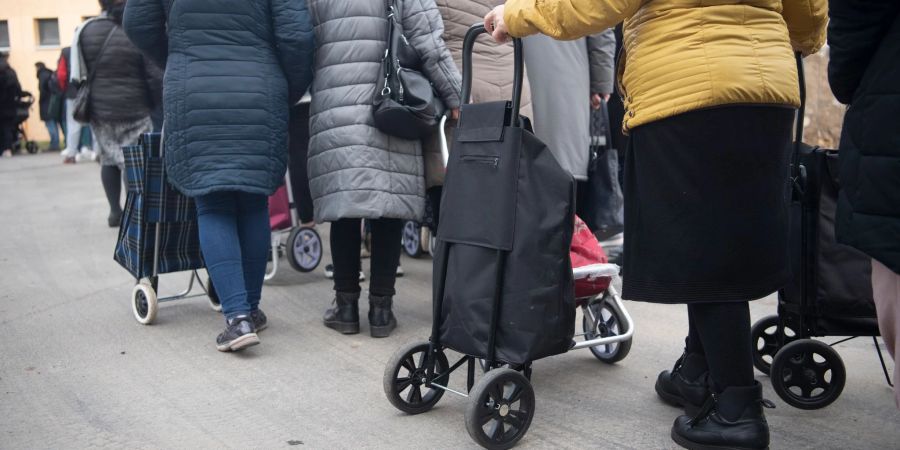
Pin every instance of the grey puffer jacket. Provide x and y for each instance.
(355, 170)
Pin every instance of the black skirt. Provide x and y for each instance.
(706, 206)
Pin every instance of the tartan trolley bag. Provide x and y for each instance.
(158, 233)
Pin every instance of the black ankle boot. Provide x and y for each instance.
(381, 319)
(733, 419)
(686, 385)
(344, 317)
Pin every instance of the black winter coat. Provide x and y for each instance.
(10, 90)
(233, 68)
(864, 71)
(126, 82)
(47, 86)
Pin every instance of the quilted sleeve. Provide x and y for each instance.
(807, 21)
(295, 41)
(145, 25)
(566, 19)
(424, 28)
(602, 55)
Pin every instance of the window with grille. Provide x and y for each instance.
(48, 32)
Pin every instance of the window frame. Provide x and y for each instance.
(8, 46)
(38, 21)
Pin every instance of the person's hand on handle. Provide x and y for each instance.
(454, 113)
(494, 24)
(597, 99)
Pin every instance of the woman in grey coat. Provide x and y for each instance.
(357, 172)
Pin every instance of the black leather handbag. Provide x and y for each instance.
(406, 105)
(603, 208)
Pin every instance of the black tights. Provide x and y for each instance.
(721, 332)
(346, 239)
(111, 177)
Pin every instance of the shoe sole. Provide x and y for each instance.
(684, 442)
(382, 332)
(343, 327)
(258, 329)
(238, 344)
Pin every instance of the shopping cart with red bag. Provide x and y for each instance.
(302, 246)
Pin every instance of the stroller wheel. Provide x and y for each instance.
(404, 379)
(808, 374)
(214, 302)
(31, 147)
(500, 409)
(412, 239)
(304, 249)
(144, 303)
(765, 336)
(602, 320)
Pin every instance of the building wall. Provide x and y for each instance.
(24, 50)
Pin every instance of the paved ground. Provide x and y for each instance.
(78, 371)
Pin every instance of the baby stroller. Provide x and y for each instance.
(158, 233)
(504, 285)
(23, 111)
(303, 246)
(831, 294)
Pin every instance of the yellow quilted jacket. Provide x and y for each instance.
(683, 55)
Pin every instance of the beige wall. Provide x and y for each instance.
(23, 42)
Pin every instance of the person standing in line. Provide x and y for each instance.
(120, 96)
(710, 110)
(356, 171)
(864, 70)
(233, 68)
(10, 90)
(47, 89)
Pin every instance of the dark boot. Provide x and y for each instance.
(733, 419)
(686, 385)
(381, 319)
(344, 317)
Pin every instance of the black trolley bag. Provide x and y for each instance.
(503, 286)
(830, 293)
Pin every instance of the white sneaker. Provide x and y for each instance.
(79, 157)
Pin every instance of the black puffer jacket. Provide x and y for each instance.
(127, 85)
(864, 71)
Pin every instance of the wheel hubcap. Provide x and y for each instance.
(503, 410)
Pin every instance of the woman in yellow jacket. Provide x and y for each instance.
(710, 90)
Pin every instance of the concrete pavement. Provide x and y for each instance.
(78, 371)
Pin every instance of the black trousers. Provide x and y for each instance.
(721, 332)
(346, 240)
(298, 152)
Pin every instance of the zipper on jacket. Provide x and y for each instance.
(487, 160)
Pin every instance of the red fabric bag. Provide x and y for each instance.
(586, 251)
(279, 210)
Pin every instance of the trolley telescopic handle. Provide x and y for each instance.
(518, 69)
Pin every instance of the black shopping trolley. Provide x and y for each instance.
(158, 233)
(504, 283)
(830, 294)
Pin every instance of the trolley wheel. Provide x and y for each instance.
(144, 303)
(500, 409)
(404, 379)
(31, 147)
(765, 335)
(214, 302)
(432, 244)
(304, 249)
(608, 323)
(412, 239)
(808, 374)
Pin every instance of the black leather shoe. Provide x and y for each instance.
(676, 389)
(381, 319)
(239, 334)
(260, 321)
(733, 419)
(344, 317)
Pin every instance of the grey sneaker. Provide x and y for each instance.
(239, 334)
(260, 321)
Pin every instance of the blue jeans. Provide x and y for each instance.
(53, 129)
(235, 239)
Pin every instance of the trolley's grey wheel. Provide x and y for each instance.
(501, 406)
(404, 378)
(602, 320)
(304, 249)
(766, 336)
(213, 296)
(808, 374)
(144, 303)
(412, 239)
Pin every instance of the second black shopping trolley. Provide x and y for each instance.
(158, 233)
(503, 279)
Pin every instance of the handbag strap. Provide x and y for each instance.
(93, 73)
(604, 113)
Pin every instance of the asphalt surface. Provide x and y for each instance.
(78, 371)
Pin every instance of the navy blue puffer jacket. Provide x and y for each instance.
(233, 68)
